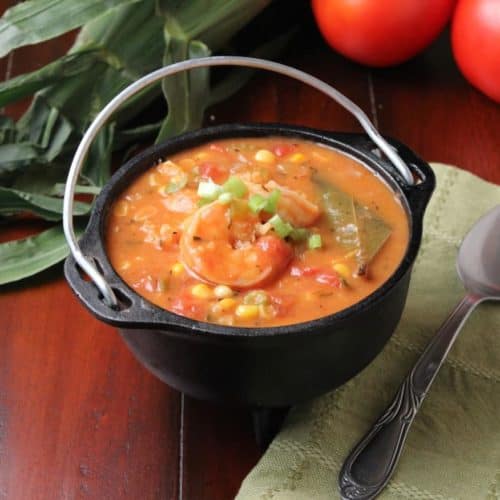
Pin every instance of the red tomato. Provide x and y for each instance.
(284, 149)
(321, 276)
(475, 37)
(381, 32)
(187, 306)
(210, 170)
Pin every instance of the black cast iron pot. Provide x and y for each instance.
(263, 368)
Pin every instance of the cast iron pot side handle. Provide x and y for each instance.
(86, 265)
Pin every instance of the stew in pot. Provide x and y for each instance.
(257, 232)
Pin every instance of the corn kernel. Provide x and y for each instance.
(297, 158)
(265, 156)
(247, 311)
(202, 291)
(223, 291)
(177, 268)
(227, 304)
(342, 270)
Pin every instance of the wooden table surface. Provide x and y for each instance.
(79, 417)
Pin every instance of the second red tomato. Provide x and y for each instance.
(381, 32)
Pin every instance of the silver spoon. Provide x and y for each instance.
(371, 463)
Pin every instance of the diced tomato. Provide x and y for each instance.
(281, 150)
(211, 170)
(188, 306)
(304, 271)
(330, 279)
(319, 275)
(216, 147)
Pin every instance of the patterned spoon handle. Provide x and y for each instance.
(371, 463)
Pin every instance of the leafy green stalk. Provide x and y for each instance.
(28, 256)
(120, 41)
(36, 21)
(13, 201)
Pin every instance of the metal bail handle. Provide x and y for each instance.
(83, 148)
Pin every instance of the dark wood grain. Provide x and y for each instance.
(427, 104)
(79, 417)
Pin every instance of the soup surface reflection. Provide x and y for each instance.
(256, 232)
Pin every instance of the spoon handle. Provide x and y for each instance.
(371, 463)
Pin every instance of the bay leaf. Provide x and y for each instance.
(373, 232)
(357, 228)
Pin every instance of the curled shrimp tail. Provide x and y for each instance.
(216, 249)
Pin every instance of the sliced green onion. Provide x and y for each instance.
(225, 198)
(203, 201)
(235, 186)
(299, 234)
(209, 190)
(257, 203)
(282, 228)
(314, 242)
(272, 201)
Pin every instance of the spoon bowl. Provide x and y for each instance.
(478, 261)
(371, 463)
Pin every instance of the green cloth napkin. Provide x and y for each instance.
(453, 448)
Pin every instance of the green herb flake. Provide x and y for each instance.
(281, 228)
(235, 186)
(314, 242)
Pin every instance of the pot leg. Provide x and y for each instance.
(267, 423)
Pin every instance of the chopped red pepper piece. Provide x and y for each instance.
(210, 170)
(281, 150)
(320, 275)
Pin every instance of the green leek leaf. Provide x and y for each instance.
(35, 21)
(120, 41)
(25, 257)
(57, 71)
(13, 201)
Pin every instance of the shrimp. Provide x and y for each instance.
(182, 202)
(293, 206)
(221, 247)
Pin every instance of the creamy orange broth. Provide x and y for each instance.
(222, 263)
